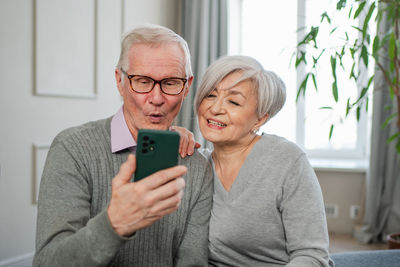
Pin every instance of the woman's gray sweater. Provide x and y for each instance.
(273, 214)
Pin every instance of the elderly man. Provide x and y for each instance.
(89, 211)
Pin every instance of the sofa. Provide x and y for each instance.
(367, 258)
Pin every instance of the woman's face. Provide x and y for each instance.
(228, 115)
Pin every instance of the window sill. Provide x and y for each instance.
(340, 165)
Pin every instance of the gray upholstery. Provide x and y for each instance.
(369, 258)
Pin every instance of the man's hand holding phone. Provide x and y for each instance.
(134, 206)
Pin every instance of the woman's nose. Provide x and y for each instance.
(217, 106)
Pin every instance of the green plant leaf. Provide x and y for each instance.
(302, 87)
(328, 107)
(333, 30)
(367, 18)
(363, 92)
(393, 137)
(352, 72)
(358, 113)
(359, 9)
(331, 131)
(350, 11)
(333, 66)
(392, 46)
(320, 54)
(352, 52)
(325, 16)
(371, 79)
(368, 38)
(348, 107)
(398, 146)
(375, 47)
(335, 91)
(334, 84)
(387, 107)
(364, 55)
(358, 29)
(314, 81)
(365, 89)
(311, 36)
(379, 16)
(300, 59)
(341, 4)
(388, 120)
(391, 92)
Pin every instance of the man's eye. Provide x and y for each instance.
(143, 81)
(171, 82)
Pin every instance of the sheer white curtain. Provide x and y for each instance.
(382, 210)
(204, 27)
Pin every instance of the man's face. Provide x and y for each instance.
(153, 110)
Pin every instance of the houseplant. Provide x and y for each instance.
(369, 48)
(380, 48)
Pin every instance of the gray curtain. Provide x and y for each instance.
(204, 27)
(382, 207)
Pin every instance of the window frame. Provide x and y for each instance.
(361, 151)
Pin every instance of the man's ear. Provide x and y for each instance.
(189, 83)
(118, 80)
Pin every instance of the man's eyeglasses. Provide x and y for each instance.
(143, 84)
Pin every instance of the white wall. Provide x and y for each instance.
(343, 189)
(27, 119)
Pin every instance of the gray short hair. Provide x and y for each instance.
(270, 89)
(153, 35)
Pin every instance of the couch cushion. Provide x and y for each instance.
(367, 258)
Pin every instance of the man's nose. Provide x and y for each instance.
(156, 95)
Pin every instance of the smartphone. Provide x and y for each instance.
(156, 150)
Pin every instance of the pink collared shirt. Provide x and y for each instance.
(121, 137)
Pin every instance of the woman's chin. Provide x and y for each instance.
(213, 137)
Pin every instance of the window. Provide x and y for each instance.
(267, 31)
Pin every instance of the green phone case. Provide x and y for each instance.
(156, 150)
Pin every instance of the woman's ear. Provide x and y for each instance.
(261, 121)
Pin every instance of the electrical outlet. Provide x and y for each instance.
(331, 210)
(354, 210)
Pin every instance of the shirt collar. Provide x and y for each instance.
(121, 137)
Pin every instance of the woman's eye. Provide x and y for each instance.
(234, 103)
(211, 95)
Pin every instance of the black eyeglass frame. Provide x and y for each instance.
(155, 82)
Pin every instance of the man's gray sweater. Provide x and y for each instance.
(73, 228)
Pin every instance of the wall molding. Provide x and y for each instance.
(39, 154)
(65, 49)
(21, 260)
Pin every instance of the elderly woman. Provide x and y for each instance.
(268, 208)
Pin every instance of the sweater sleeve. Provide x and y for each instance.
(66, 235)
(303, 216)
(193, 250)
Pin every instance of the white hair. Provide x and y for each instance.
(153, 35)
(270, 89)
